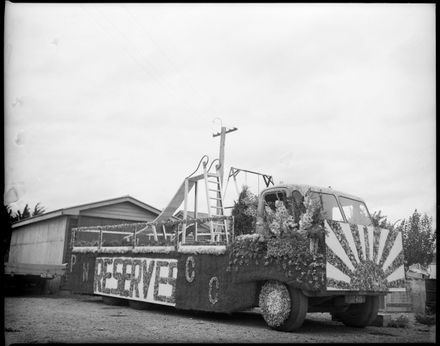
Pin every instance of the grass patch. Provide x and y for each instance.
(400, 322)
(428, 319)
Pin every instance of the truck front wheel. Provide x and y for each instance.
(360, 315)
(283, 307)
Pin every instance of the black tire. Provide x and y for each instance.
(292, 302)
(360, 315)
(114, 301)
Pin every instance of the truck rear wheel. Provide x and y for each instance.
(283, 307)
(360, 315)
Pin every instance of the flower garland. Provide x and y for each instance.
(274, 302)
(202, 249)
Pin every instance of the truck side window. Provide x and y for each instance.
(271, 198)
(330, 206)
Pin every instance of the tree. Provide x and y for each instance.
(419, 239)
(25, 213)
(381, 221)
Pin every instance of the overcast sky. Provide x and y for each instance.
(108, 100)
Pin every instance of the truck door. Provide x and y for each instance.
(360, 257)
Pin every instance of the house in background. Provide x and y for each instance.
(41, 245)
(432, 268)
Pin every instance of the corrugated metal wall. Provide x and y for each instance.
(39, 243)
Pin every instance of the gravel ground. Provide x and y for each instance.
(86, 319)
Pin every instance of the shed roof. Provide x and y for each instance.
(75, 210)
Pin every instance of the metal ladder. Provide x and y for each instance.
(214, 199)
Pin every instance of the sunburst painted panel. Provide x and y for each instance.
(363, 258)
(370, 231)
(333, 243)
(349, 236)
(395, 250)
(383, 237)
(362, 240)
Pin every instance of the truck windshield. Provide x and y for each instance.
(355, 211)
(330, 206)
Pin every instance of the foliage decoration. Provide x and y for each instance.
(245, 211)
(368, 276)
(275, 303)
(288, 255)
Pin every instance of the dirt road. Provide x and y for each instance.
(86, 319)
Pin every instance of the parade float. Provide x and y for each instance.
(308, 249)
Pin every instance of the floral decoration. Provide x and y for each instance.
(275, 303)
(190, 262)
(366, 242)
(368, 276)
(279, 222)
(357, 240)
(213, 297)
(376, 238)
(288, 255)
(245, 211)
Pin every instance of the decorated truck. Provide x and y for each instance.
(311, 249)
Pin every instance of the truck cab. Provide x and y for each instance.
(338, 206)
(353, 261)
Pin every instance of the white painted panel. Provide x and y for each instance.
(150, 293)
(395, 250)
(333, 243)
(399, 273)
(164, 288)
(349, 236)
(383, 237)
(335, 273)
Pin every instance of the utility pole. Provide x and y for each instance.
(221, 156)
